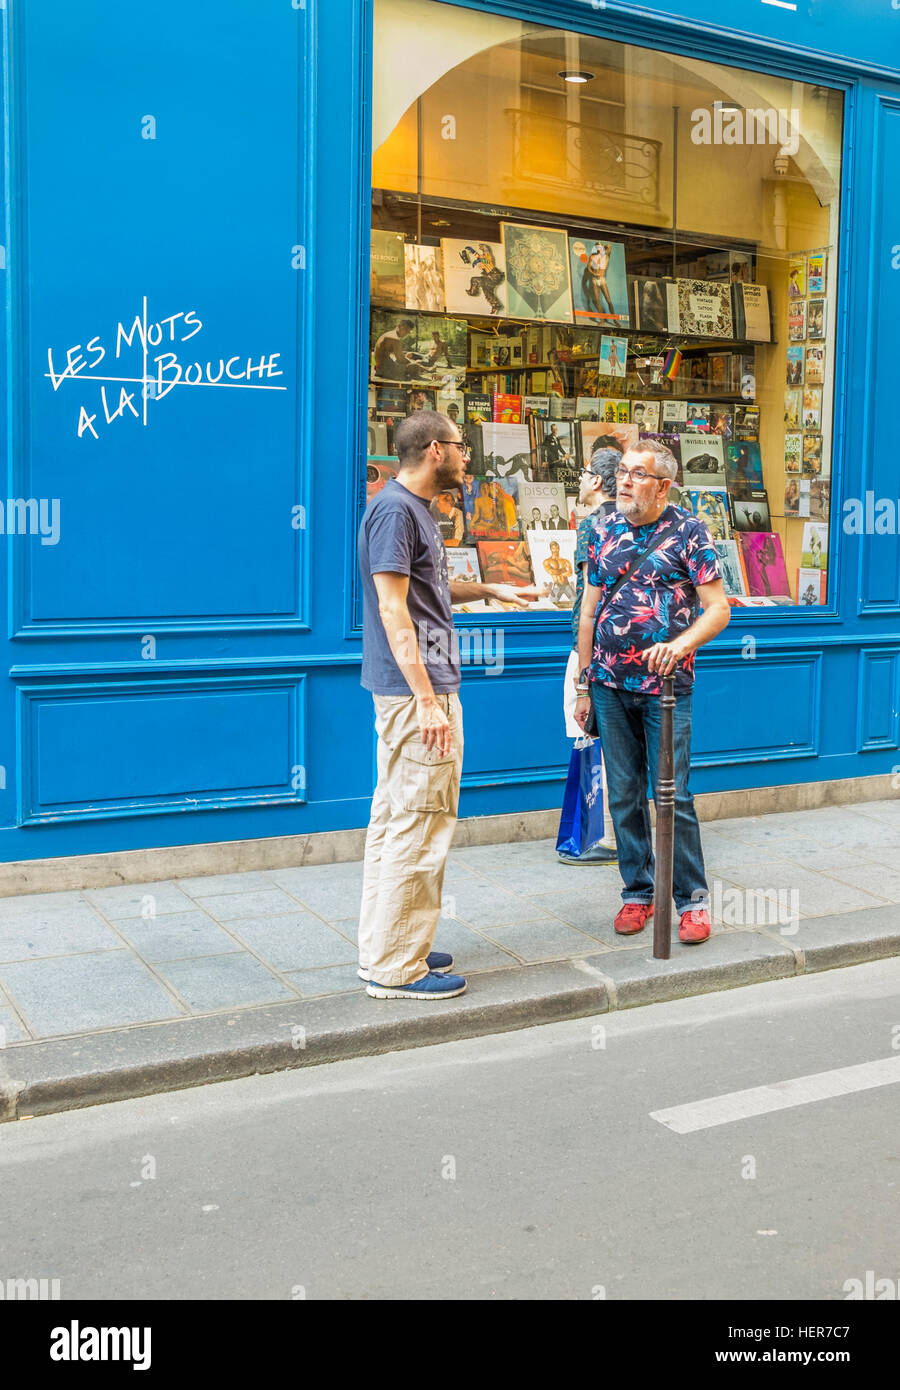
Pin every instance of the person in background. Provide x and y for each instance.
(597, 494)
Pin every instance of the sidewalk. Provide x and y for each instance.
(115, 992)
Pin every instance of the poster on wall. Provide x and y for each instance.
(537, 271)
(599, 286)
(474, 276)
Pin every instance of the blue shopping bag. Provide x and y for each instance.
(581, 822)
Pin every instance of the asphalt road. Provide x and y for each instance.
(530, 1165)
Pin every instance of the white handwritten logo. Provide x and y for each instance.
(160, 373)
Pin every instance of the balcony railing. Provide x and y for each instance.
(569, 156)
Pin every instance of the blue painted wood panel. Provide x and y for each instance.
(757, 709)
(90, 750)
(155, 283)
(878, 723)
(878, 503)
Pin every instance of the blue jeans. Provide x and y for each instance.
(629, 724)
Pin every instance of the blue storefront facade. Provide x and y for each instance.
(186, 279)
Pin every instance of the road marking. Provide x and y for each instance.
(780, 1095)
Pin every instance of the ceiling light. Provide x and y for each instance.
(576, 76)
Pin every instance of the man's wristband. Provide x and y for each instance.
(583, 691)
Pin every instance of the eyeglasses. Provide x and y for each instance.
(638, 474)
(460, 444)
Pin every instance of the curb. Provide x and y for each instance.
(41, 1078)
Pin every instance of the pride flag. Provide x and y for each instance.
(671, 364)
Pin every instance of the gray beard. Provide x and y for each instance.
(632, 511)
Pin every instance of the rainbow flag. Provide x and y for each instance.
(671, 364)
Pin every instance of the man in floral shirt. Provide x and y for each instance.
(650, 629)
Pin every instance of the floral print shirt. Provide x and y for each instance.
(657, 604)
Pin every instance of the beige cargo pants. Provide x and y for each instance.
(413, 817)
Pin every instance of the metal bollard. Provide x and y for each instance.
(665, 826)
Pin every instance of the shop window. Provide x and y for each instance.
(578, 242)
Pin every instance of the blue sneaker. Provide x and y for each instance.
(436, 960)
(431, 986)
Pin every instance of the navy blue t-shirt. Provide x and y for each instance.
(397, 535)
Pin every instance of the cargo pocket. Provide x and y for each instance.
(426, 778)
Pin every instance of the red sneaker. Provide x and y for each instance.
(632, 918)
(694, 927)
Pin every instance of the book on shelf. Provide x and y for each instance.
(709, 505)
(815, 364)
(815, 272)
(649, 304)
(721, 421)
(797, 276)
(599, 283)
(506, 450)
(463, 566)
(812, 586)
(700, 308)
(554, 444)
(794, 369)
(812, 408)
(743, 468)
(490, 511)
(702, 459)
(474, 276)
(698, 414)
(743, 375)
(812, 455)
(535, 405)
(718, 373)
(819, 498)
(732, 568)
(746, 422)
(752, 319)
(814, 546)
(797, 320)
(507, 409)
(751, 513)
(387, 270)
(504, 562)
(553, 563)
(764, 565)
(424, 278)
(645, 414)
(542, 506)
(673, 413)
(793, 453)
(562, 408)
(447, 514)
(378, 470)
(796, 496)
(479, 407)
(815, 318)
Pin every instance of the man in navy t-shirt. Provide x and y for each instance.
(411, 666)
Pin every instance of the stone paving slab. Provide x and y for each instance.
(147, 981)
